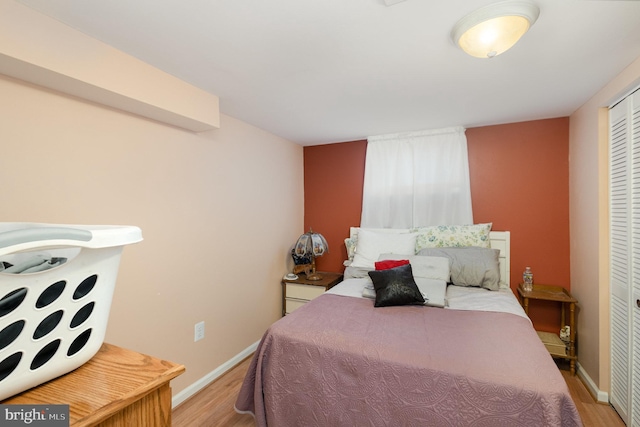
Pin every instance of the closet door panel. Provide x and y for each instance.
(634, 303)
(620, 248)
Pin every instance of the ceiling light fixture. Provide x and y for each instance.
(494, 29)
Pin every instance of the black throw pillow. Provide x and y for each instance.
(395, 286)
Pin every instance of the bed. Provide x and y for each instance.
(341, 360)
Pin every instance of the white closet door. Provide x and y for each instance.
(634, 305)
(624, 158)
(619, 193)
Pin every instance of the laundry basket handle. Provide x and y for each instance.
(42, 234)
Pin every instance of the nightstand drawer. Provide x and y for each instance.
(303, 292)
(293, 304)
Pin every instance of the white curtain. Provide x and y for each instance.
(417, 179)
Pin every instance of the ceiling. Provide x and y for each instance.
(317, 72)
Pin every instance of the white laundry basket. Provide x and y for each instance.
(55, 320)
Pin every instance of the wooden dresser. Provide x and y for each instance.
(117, 387)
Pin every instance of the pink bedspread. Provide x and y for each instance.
(338, 361)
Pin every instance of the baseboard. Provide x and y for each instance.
(599, 395)
(213, 375)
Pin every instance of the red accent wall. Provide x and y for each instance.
(519, 181)
(333, 178)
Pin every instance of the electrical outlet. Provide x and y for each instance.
(198, 332)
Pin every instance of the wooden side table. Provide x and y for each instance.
(299, 291)
(117, 387)
(557, 348)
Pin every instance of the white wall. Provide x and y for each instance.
(588, 173)
(219, 212)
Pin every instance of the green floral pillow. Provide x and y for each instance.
(351, 243)
(451, 236)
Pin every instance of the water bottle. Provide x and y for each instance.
(527, 280)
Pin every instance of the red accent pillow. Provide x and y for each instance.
(390, 263)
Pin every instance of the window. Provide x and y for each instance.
(417, 179)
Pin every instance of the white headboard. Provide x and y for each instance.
(502, 240)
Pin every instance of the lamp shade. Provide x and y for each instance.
(311, 243)
(495, 28)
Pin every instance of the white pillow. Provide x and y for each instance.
(433, 291)
(427, 267)
(371, 244)
(351, 242)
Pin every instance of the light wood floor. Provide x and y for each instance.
(213, 406)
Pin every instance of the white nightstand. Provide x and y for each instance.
(297, 292)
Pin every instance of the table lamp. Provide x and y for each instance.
(311, 245)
